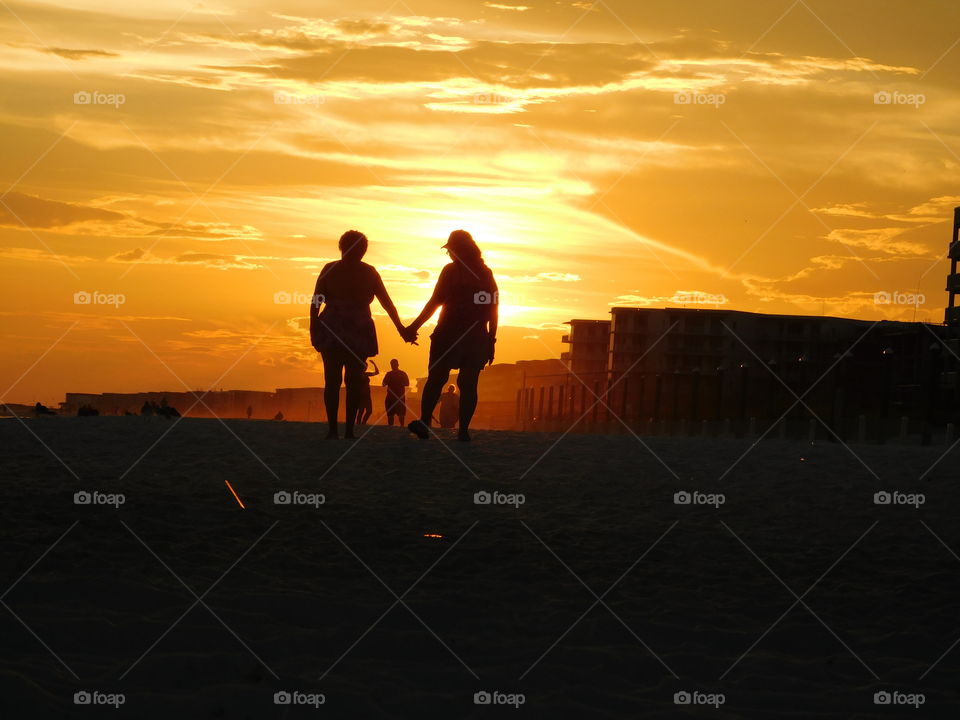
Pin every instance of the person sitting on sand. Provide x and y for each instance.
(466, 332)
(449, 408)
(365, 410)
(41, 409)
(343, 332)
(396, 383)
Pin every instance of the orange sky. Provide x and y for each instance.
(619, 152)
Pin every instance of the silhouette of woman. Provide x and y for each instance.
(343, 332)
(466, 332)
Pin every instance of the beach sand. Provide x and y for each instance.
(506, 599)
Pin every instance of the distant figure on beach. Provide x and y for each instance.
(366, 401)
(396, 383)
(449, 408)
(41, 409)
(466, 332)
(147, 408)
(343, 332)
(249, 411)
(165, 410)
(279, 415)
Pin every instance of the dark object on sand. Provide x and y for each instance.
(278, 416)
(40, 409)
(87, 411)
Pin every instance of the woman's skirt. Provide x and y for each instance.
(451, 351)
(347, 328)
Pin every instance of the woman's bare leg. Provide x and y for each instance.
(467, 380)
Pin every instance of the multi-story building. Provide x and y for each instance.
(589, 342)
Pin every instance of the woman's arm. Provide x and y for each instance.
(435, 301)
(313, 312)
(380, 291)
(319, 293)
(376, 370)
(494, 320)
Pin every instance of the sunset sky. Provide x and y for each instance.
(764, 155)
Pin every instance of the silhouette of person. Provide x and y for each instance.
(41, 409)
(146, 408)
(343, 332)
(466, 331)
(249, 411)
(396, 382)
(365, 409)
(449, 407)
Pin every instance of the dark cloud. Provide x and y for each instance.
(36, 212)
(71, 54)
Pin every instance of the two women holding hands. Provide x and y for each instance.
(344, 334)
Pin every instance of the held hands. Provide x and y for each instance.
(409, 335)
(492, 351)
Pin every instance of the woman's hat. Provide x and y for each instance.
(459, 239)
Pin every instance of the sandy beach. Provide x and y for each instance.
(582, 586)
